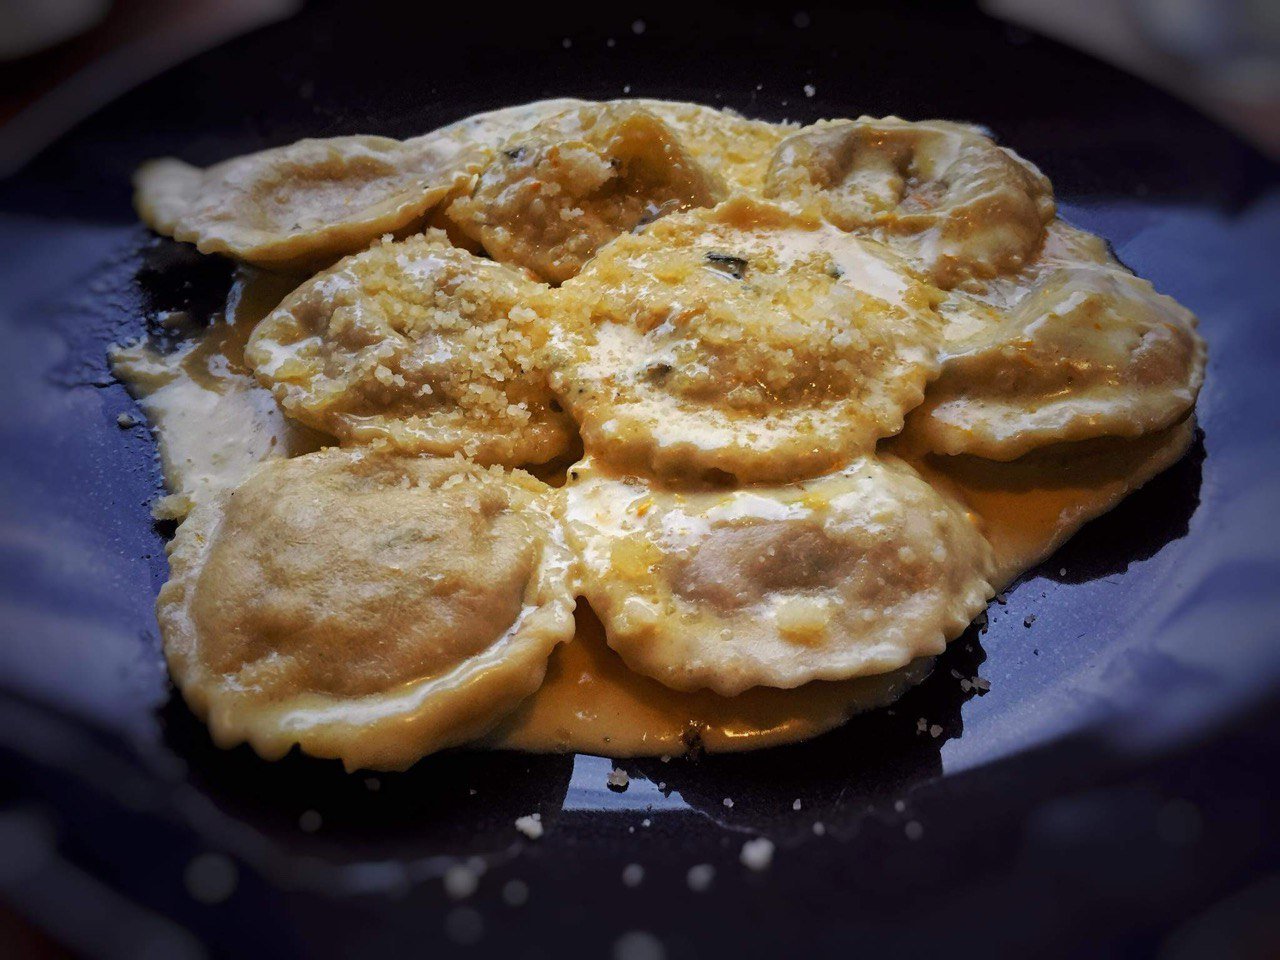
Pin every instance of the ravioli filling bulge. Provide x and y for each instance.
(836, 385)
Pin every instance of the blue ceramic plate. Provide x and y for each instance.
(1110, 794)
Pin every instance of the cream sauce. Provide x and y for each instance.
(590, 702)
(212, 420)
(1030, 507)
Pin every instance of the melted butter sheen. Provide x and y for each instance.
(212, 419)
(1031, 506)
(214, 423)
(591, 703)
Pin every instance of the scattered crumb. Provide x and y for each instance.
(172, 506)
(530, 826)
(899, 805)
(810, 89)
(637, 27)
(818, 828)
(126, 420)
(700, 877)
(728, 802)
(665, 758)
(662, 787)
(976, 683)
(795, 804)
(935, 731)
(1062, 571)
(632, 875)
(646, 822)
(618, 779)
(757, 854)
(914, 830)
(1031, 618)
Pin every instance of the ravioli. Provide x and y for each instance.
(834, 386)
(940, 193)
(1087, 353)
(744, 342)
(306, 204)
(852, 574)
(553, 196)
(366, 605)
(735, 147)
(419, 343)
(294, 206)
(591, 702)
(980, 305)
(1031, 506)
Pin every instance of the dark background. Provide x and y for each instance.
(1110, 796)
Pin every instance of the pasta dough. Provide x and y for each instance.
(296, 206)
(1088, 353)
(735, 147)
(306, 204)
(421, 344)
(553, 196)
(853, 574)
(592, 702)
(737, 316)
(940, 193)
(743, 342)
(364, 604)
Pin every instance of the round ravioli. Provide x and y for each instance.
(365, 605)
(852, 574)
(940, 193)
(419, 343)
(1089, 352)
(1064, 246)
(306, 204)
(553, 196)
(296, 206)
(743, 341)
(979, 305)
(736, 148)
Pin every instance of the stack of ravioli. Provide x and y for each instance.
(777, 409)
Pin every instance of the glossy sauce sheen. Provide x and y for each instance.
(214, 422)
(590, 702)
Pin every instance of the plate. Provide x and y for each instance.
(1106, 796)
